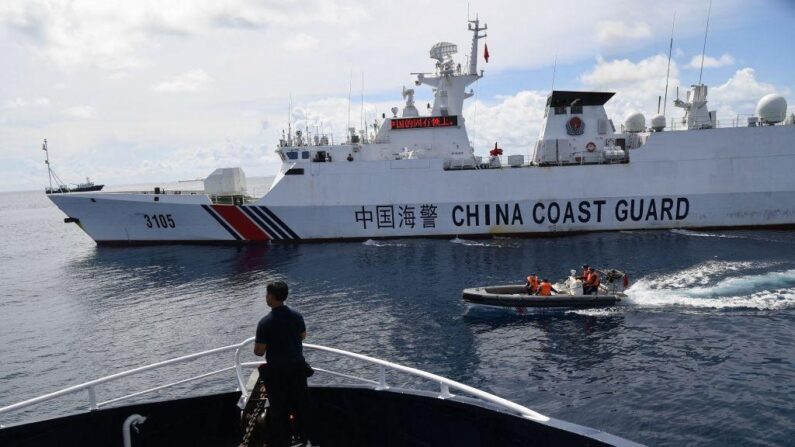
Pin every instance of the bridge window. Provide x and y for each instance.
(576, 109)
(305, 155)
(292, 155)
(560, 110)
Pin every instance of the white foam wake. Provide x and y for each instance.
(704, 274)
(458, 240)
(695, 288)
(496, 242)
(746, 236)
(373, 243)
(702, 234)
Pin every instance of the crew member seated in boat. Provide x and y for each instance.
(584, 275)
(532, 284)
(545, 288)
(591, 282)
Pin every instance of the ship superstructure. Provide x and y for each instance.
(405, 135)
(415, 174)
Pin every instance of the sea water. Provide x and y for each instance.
(701, 352)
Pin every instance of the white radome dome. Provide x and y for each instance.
(772, 108)
(635, 122)
(658, 123)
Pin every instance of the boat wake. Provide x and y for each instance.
(374, 243)
(495, 242)
(718, 285)
(597, 312)
(750, 237)
(458, 240)
(702, 234)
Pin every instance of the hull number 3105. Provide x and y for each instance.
(159, 221)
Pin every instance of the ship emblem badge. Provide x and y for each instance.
(575, 126)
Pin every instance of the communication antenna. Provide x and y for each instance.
(554, 70)
(350, 87)
(290, 121)
(668, 73)
(475, 114)
(361, 113)
(47, 161)
(704, 48)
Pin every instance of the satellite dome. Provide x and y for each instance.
(658, 123)
(772, 109)
(635, 122)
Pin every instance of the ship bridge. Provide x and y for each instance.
(576, 130)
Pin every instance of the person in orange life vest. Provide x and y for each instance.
(532, 284)
(545, 288)
(592, 282)
(584, 275)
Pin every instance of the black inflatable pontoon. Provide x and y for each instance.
(516, 296)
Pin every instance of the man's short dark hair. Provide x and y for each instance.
(278, 289)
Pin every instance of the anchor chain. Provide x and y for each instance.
(259, 396)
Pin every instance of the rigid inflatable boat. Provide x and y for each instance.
(570, 293)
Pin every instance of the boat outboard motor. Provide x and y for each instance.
(616, 280)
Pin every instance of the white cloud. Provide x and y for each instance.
(300, 41)
(118, 34)
(740, 93)
(637, 84)
(623, 71)
(513, 123)
(82, 112)
(203, 160)
(21, 102)
(613, 32)
(711, 62)
(75, 33)
(190, 81)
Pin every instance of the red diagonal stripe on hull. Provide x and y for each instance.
(240, 222)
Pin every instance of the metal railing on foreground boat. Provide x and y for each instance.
(91, 385)
(445, 384)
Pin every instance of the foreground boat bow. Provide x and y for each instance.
(359, 411)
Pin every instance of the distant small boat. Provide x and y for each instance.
(570, 294)
(61, 187)
(80, 187)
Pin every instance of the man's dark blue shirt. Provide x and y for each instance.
(281, 331)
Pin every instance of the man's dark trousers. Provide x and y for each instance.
(287, 394)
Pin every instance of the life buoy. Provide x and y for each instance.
(591, 146)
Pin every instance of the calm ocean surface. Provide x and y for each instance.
(701, 353)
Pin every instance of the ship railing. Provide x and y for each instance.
(445, 386)
(186, 192)
(227, 199)
(724, 122)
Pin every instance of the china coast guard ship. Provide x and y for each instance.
(417, 175)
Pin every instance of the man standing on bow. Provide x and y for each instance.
(279, 338)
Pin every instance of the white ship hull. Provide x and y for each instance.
(718, 178)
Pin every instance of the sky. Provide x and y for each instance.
(147, 91)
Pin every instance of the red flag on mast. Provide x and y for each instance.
(486, 52)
